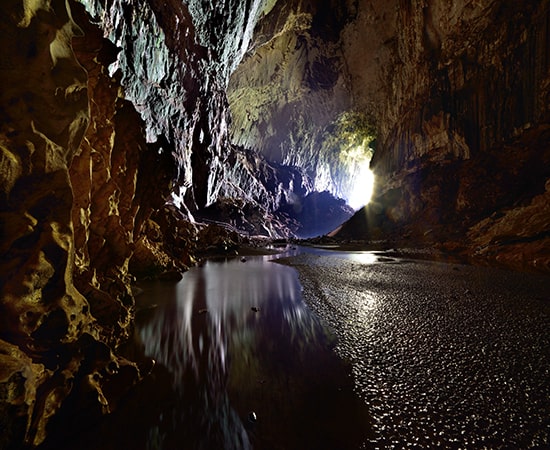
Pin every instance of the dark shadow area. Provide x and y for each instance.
(317, 214)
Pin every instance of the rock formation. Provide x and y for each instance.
(462, 118)
(261, 198)
(51, 343)
(174, 60)
(116, 133)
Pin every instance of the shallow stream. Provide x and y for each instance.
(250, 364)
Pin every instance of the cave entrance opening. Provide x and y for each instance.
(362, 185)
(348, 147)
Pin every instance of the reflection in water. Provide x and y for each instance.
(187, 338)
(237, 339)
(359, 256)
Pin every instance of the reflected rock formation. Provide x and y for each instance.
(186, 339)
(237, 338)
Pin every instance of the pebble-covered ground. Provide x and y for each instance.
(445, 355)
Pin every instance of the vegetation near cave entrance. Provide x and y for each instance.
(348, 145)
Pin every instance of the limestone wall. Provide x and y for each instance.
(461, 101)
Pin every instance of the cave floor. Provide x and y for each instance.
(445, 355)
(350, 350)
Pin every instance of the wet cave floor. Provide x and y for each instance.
(343, 350)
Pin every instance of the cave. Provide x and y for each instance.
(141, 142)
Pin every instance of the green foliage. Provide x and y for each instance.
(348, 138)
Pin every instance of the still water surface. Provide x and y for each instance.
(245, 364)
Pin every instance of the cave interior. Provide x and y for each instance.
(137, 138)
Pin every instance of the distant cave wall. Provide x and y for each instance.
(288, 94)
(470, 86)
(466, 76)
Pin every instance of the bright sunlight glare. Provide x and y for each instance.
(362, 187)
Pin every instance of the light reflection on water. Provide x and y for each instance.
(359, 256)
(236, 337)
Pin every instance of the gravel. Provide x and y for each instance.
(445, 355)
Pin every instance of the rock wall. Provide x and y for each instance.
(165, 74)
(291, 98)
(44, 114)
(175, 58)
(260, 198)
(461, 97)
(115, 190)
(54, 346)
(44, 117)
(466, 76)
